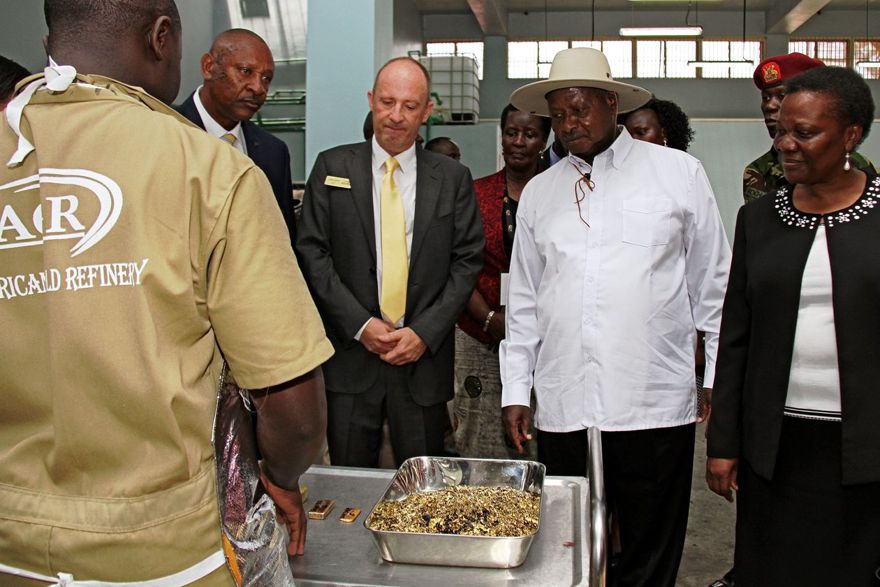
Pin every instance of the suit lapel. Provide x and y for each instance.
(360, 174)
(427, 193)
(252, 144)
(188, 109)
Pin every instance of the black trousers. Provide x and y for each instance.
(354, 422)
(648, 487)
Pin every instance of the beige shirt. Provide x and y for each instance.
(134, 249)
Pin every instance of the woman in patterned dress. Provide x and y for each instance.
(477, 404)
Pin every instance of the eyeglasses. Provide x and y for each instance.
(581, 187)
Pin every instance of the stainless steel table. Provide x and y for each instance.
(568, 550)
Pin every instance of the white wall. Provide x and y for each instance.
(725, 147)
(22, 29)
(198, 22)
(480, 144)
(407, 28)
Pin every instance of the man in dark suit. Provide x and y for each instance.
(237, 72)
(552, 155)
(390, 242)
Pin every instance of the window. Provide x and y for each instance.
(734, 51)
(666, 59)
(522, 60)
(654, 58)
(831, 52)
(547, 50)
(254, 8)
(469, 48)
(867, 51)
(619, 54)
(842, 53)
(532, 59)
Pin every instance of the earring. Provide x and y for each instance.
(846, 163)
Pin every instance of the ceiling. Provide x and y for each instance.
(454, 6)
(781, 16)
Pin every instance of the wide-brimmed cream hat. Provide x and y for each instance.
(580, 67)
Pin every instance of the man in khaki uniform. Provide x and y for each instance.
(136, 253)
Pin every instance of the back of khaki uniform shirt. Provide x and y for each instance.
(133, 247)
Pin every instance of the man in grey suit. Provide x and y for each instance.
(390, 242)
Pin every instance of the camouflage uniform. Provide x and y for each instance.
(765, 174)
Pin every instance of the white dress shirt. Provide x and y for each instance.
(405, 180)
(601, 319)
(213, 128)
(814, 380)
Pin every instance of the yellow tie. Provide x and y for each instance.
(395, 265)
(229, 138)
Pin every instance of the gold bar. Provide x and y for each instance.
(321, 509)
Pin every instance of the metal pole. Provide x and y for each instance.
(598, 511)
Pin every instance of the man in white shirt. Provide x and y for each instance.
(620, 257)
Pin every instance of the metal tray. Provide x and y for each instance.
(422, 474)
(340, 554)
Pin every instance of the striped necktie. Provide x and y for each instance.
(229, 138)
(395, 262)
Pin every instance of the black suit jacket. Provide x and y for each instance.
(268, 152)
(336, 245)
(758, 327)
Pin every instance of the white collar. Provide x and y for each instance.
(617, 151)
(212, 127)
(406, 159)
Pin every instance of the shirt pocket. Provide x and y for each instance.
(646, 221)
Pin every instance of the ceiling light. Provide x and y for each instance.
(662, 31)
(868, 64)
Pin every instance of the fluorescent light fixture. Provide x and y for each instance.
(727, 62)
(662, 31)
(868, 64)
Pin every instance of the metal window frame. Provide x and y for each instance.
(634, 51)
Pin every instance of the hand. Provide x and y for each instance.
(290, 511)
(370, 336)
(721, 476)
(704, 408)
(517, 423)
(496, 325)
(408, 347)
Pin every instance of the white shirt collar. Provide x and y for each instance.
(406, 159)
(617, 151)
(213, 127)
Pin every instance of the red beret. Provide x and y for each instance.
(775, 70)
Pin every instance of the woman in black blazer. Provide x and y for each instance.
(795, 424)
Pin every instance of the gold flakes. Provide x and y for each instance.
(462, 510)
